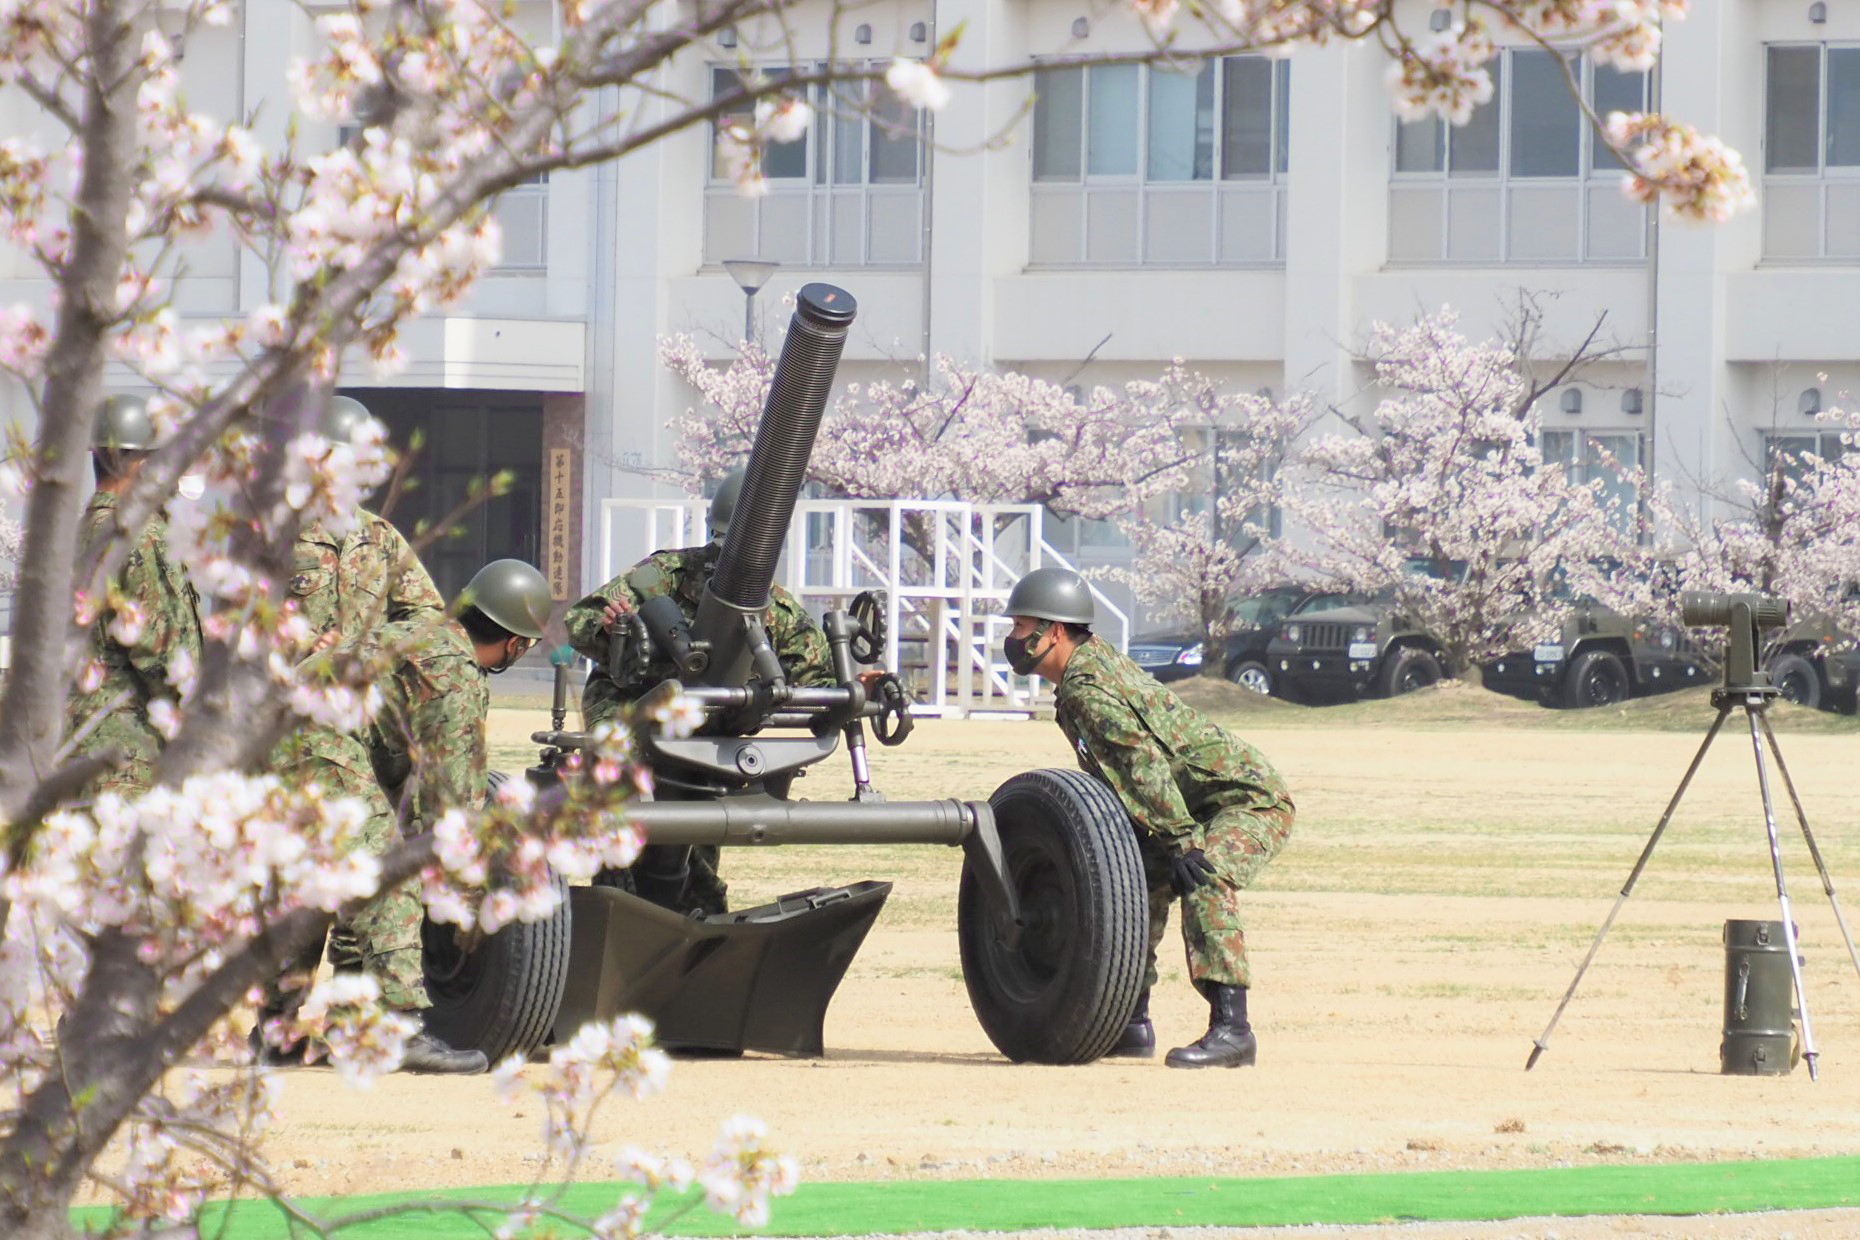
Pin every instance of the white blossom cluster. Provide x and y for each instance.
(739, 1176)
(494, 867)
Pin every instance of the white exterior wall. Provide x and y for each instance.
(1739, 337)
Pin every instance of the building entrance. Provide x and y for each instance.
(465, 437)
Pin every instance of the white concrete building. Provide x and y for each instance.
(1251, 217)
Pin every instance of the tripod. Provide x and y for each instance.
(1753, 696)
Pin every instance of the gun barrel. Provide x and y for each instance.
(777, 465)
(739, 588)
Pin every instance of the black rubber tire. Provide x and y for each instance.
(1596, 678)
(1065, 995)
(1253, 675)
(502, 997)
(1798, 679)
(1410, 668)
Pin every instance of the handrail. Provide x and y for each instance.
(863, 544)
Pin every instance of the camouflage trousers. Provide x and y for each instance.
(1238, 844)
(382, 939)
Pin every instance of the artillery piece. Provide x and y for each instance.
(1052, 915)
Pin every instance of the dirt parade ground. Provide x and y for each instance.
(1452, 859)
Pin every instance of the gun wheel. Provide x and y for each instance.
(1065, 993)
(501, 996)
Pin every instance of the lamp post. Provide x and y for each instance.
(750, 275)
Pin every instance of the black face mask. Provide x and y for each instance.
(511, 657)
(1015, 648)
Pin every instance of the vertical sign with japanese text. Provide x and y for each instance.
(555, 523)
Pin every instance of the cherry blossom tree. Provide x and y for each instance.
(136, 929)
(1441, 501)
(1200, 566)
(1792, 532)
(979, 435)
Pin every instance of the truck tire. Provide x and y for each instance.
(501, 997)
(1410, 668)
(1064, 995)
(1252, 675)
(1798, 679)
(1595, 678)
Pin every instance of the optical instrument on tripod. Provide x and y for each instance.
(1747, 687)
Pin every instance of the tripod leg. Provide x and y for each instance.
(1814, 850)
(1542, 1043)
(1753, 710)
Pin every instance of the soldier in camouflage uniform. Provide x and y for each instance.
(684, 880)
(347, 587)
(427, 742)
(149, 618)
(1209, 810)
(427, 745)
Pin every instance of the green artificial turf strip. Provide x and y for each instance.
(1013, 1205)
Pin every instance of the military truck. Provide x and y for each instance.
(1179, 655)
(1343, 653)
(1815, 664)
(1599, 657)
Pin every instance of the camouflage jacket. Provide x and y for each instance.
(799, 643)
(129, 675)
(354, 585)
(1172, 769)
(427, 741)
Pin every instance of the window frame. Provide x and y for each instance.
(1580, 460)
(817, 186)
(1217, 187)
(1591, 174)
(1278, 106)
(1825, 179)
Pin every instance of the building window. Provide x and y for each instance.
(1526, 180)
(1138, 164)
(1811, 153)
(1608, 457)
(848, 194)
(522, 213)
(1786, 453)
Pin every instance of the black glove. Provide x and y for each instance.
(1189, 871)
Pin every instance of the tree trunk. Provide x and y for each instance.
(32, 708)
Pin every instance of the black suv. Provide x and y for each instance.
(1599, 657)
(1178, 656)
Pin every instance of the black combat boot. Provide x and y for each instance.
(1229, 1041)
(1139, 1036)
(425, 1053)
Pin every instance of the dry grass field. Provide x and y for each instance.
(1454, 854)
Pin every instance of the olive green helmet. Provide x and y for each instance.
(122, 424)
(342, 417)
(512, 594)
(1052, 594)
(723, 504)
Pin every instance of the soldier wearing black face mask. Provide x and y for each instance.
(1209, 810)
